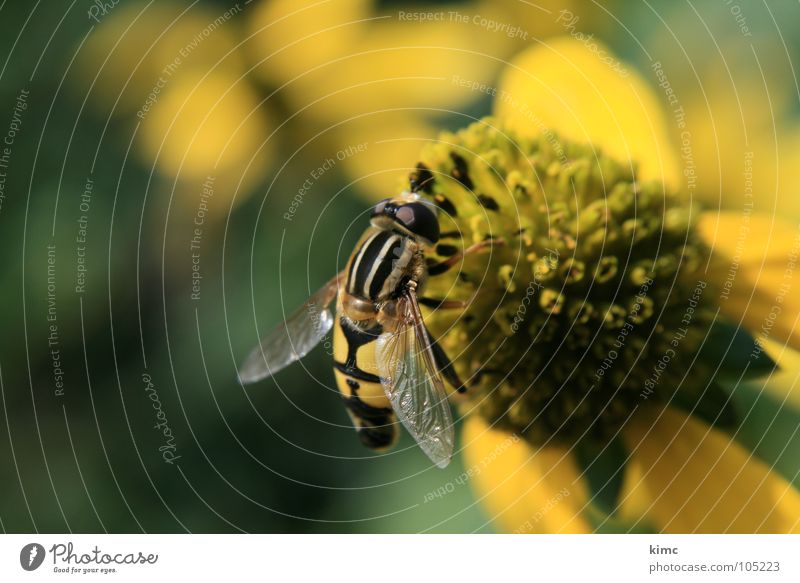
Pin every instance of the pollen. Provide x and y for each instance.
(590, 303)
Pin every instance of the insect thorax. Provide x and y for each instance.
(382, 264)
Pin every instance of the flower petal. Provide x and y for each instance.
(293, 36)
(137, 50)
(782, 384)
(634, 499)
(697, 480)
(582, 92)
(339, 59)
(378, 149)
(756, 263)
(524, 490)
(209, 125)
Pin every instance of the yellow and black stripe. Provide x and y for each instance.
(378, 265)
(357, 377)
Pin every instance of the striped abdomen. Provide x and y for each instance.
(379, 264)
(358, 381)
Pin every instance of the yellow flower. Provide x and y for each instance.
(209, 125)
(609, 325)
(337, 59)
(738, 105)
(178, 73)
(131, 48)
(353, 72)
(533, 96)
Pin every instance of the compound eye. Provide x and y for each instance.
(406, 215)
(380, 208)
(421, 220)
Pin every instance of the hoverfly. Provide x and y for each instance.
(385, 361)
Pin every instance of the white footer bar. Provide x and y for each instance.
(400, 558)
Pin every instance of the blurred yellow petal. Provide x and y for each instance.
(756, 261)
(582, 92)
(735, 145)
(778, 179)
(135, 45)
(387, 148)
(200, 125)
(546, 18)
(634, 499)
(291, 37)
(399, 65)
(784, 384)
(212, 126)
(738, 102)
(522, 489)
(697, 480)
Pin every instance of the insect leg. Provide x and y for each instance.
(444, 266)
(476, 378)
(439, 304)
(445, 367)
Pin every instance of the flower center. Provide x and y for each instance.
(593, 305)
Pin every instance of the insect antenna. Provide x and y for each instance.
(420, 178)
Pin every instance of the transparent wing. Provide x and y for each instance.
(293, 339)
(413, 384)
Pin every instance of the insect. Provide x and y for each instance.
(386, 364)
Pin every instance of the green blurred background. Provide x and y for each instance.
(151, 103)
